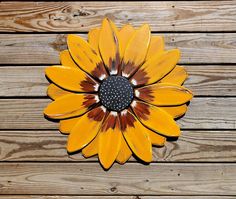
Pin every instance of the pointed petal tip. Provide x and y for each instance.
(147, 159)
(46, 112)
(189, 92)
(145, 26)
(176, 51)
(106, 20)
(109, 20)
(50, 69)
(127, 26)
(72, 147)
(163, 142)
(47, 69)
(123, 161)
(69, 149)
(84, 155)
(177, 132)
(70, 36)
(106, 165)
(63, 52)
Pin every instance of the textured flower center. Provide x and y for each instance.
(116, 93)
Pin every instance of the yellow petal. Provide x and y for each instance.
(67, 124)
(86, 57)
(55, 92)
(71, 79)
(109, 140)
(156, 139)
(70, 105)
(156, 46)
(109, 46)
(93, 39)
(136, 136)
(155, 119)
(124, 152)
(85, 129)
(136, 50)
(156, 67)
(66, 60)
(177, 76)
(92, 148)
(124, 35)
(175, 111)
(164, 94)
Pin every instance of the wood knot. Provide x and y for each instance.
(80, 13)
(113, 189)
(60, 43)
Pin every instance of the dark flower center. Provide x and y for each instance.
(116, 93)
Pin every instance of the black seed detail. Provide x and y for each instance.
(116, 93)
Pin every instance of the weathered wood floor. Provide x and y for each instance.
(34, 162)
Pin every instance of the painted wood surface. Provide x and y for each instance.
(204, 80)
(197, 48)
(34, 163)
(81, 16)
(203, 113)
(129, 179)
(45, 145)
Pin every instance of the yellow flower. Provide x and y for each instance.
(117, 94)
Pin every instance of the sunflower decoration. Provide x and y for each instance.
(118, 93)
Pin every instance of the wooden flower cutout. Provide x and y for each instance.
(118, 93)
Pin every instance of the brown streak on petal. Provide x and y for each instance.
(126, 120)
(96, 114)
(141, 110)
(111, 122)
(94, 51)
(145, 93)
(128, 68)
(89, 100)
(88, 84)
(141, 77)
(89, 58)
(99, 70)
(115, 64)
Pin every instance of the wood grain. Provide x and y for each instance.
(81, 16)
(192, 146)
(204, 113)
(33, 158)
(129, 179)
(206, 80)
(44, 48)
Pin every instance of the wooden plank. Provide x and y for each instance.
(192, 146)
(129, 179)
(206, 80)
(203, 113)
(112, 197)
(81, 16)
(44, 48)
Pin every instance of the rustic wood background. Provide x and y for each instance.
(34, 162)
